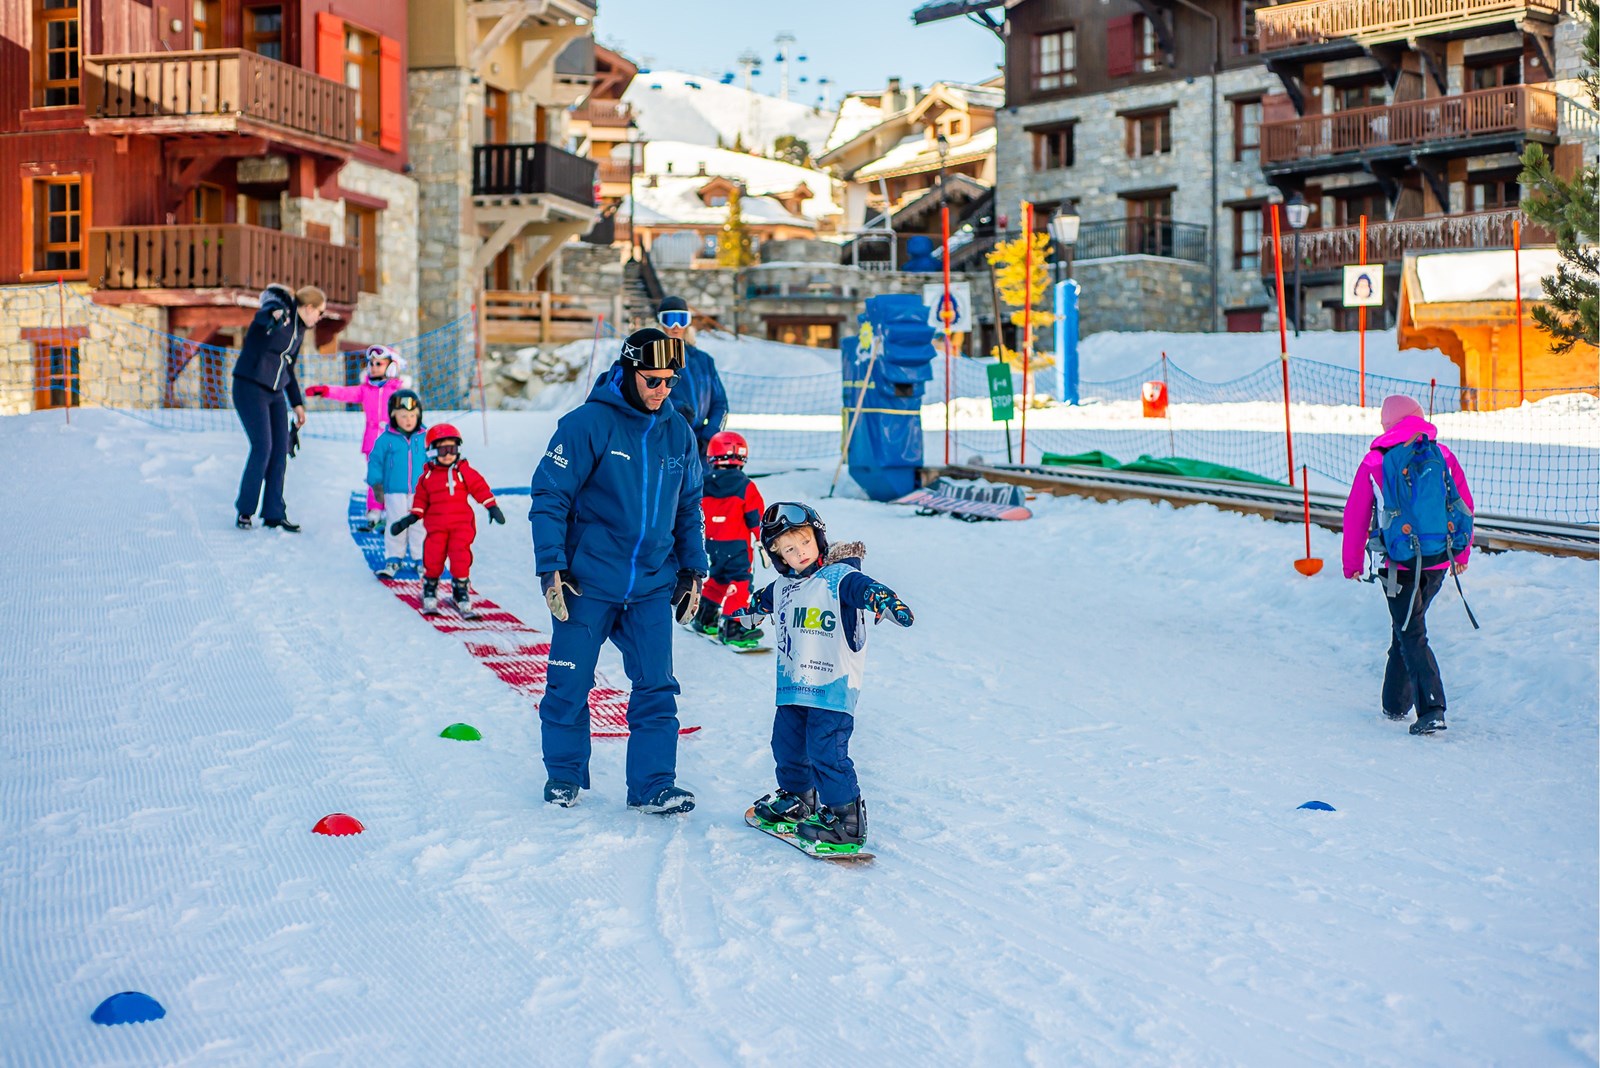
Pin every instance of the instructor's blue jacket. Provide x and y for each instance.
(700, 396)
(616, 498)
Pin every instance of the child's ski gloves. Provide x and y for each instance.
(883, 602)
(496, 515)
(399, 525)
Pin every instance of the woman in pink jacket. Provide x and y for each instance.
(382, 380)
(1411, 676)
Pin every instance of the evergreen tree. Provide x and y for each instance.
(1017, 290)
(791, 149)
(735, 246)
(1568, 207)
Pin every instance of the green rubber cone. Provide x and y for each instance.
(461, 732)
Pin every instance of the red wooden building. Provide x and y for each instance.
(167, 152)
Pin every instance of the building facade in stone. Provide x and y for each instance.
(181, 156)
(500, 190)
(1415, 115)
(604, 129)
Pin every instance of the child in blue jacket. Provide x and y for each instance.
(393, 467)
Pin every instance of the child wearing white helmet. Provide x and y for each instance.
(381, 380)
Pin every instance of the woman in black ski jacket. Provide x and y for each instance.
(264, 389)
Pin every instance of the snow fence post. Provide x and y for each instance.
(1067, 340)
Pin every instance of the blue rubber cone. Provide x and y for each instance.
(1319, 806)
(130, 1006)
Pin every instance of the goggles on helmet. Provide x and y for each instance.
(405, 403)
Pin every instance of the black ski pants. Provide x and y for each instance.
(1412, 674)
(265, 415)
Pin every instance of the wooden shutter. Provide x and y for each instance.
(391, 87)
(330, 47)
(1119, 47)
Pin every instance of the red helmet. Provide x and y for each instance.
(442, 432)
(728, 448)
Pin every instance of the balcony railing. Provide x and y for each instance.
(1316, 21)
(1510, 109)
(604, 113)
(1387, 242)
(618, 170)
(227, 82)
(224, 256)
(523, 170)
(1141, 237)
(515, 318)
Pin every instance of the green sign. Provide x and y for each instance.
(1001, 400)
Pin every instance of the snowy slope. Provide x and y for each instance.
(673, 106)
(1110, 355)
(1083, 766)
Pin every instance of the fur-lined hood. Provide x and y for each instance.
(852, 552)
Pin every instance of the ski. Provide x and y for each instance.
(971, 501)
(810, 849)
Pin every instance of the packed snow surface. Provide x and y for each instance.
(1083, 766)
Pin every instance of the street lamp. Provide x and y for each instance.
(1299, 213)
(1064, 232)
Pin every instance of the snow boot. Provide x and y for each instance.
(1427, 724)
(1396, 717)
(243, 523)
(734, 632)
(667, 801)
(430, 596)
(461, 593)
(282, 524)
(564, 794)
(783, 809)
(390, 568)
(705, 617)
(834, 826)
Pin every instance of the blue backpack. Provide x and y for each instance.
(1423, 520)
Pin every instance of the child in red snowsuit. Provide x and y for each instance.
(732, 506)
(441, 502)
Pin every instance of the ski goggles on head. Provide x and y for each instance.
(657, 383)
(659, 355)
(673, 318)
(406, 404)
(785, 515)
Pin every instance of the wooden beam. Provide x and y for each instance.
(1435, 61)
(550, 46)
(495, 244)
(557, 234)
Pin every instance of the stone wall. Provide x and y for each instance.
(391, 313)
(442, 103)
(1143, 293)
(121, 359)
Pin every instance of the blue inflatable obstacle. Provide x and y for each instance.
(130, 1006)
(1318, 806)
(886, 445)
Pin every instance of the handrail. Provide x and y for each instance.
(1504, 109)
(219, 256)
(1389, 241)
(1317, 21)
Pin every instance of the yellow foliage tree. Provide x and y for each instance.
(1018, 291)
(735, 247)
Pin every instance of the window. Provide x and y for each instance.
(263, 211)
(1244, 26)
(1247, 237)
(1246, 127)
(361, 74)
(1347, 210)
(55, 373)
(816, 333)
(207, 204)
(1146, 49)
(1244, 320)
(1493, 193)
(1368, 95)
(263, 31)
(361, 233)
(717, 200)
(496, 115)
(1148, 226)
(205, 24)
(1494, 74)
(58, 228)
(55, 53)
(1053, 149)
(1149, 133)
(1055, 61)
(708, 247)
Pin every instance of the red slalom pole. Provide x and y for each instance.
(1361, 316)
(946, 318)
(1283, 336)
(1516, 261)
(1307, 565)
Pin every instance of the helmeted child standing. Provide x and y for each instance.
(442, 502)
(818, 607)
(393, 468)
(732, 507)
(1423, 527)
(381, 381)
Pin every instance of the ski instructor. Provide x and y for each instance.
(620, 550)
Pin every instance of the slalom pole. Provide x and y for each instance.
(1516, 261)
(61, 343)
(1027, 320)
(477, 358)
(1283, 337)
(595, 348)
(1172, 445)
(946, 318)
(855, 416)
(1361, 321)
(1432, 383)
(1307, 565)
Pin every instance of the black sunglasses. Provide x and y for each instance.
(657, 383)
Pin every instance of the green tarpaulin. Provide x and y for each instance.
(1172, 465)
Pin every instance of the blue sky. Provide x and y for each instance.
(858, 44)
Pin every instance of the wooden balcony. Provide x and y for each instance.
(1388, 242)
(217, 258)
(610, 113)
(526, 170)
(618, 171)
(1339, 139)
(221, 91)
(511, 318)
(1311, 22)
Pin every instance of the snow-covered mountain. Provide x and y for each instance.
(673, 106)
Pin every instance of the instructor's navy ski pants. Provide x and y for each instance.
(265, 415)
(643, 631)
(812, 749)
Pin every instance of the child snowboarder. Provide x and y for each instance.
(1422, 528)
(732, 506)
(393, 468)
(381, 382)
(818, 606)
(441, 502)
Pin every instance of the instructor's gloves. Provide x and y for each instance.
(686, 595)
(316, 391)
(883, 602)
(556, 586)
(294, 438)
(496, 515)
(399, 525)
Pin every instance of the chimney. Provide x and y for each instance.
(916, 94)
(893, 99)
(702, 173)
(669, 166)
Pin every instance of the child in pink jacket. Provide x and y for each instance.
(382, 380)
(1411, 675)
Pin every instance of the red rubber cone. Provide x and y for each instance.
(337, 823)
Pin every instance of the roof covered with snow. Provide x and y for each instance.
(673, 159)
(673, 106)
(917, 152)
(858, 113)
(677, 201)
(1450, 277)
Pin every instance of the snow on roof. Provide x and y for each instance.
(856, 117)
(673, 106)
(916, 152)
(760, 176)
(1446, 277)
(677, 200)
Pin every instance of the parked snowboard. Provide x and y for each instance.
(806, 847)
(973, 501)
